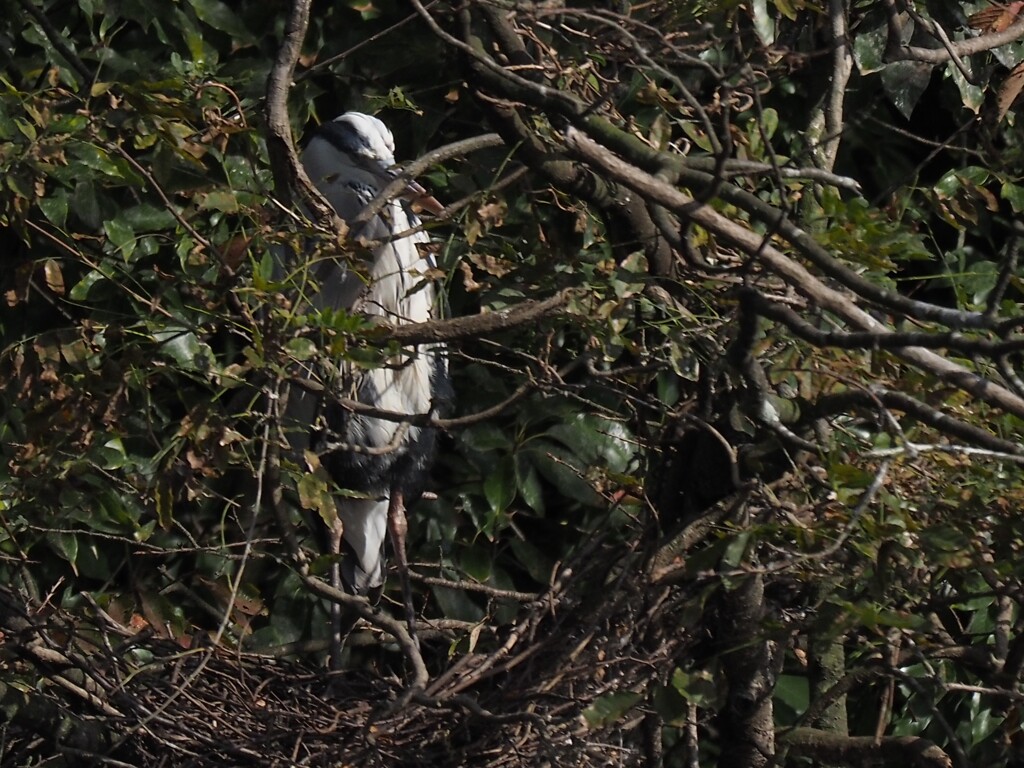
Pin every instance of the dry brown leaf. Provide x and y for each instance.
(1009, 90)
(492, 213)
(997, 18)
(54, 279)
(233, 252)
(490, 264)
(468, 282)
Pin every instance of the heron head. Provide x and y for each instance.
(369, 143)
(361, 136)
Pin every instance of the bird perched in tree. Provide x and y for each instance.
(382, 459)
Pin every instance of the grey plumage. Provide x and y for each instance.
(350, 160)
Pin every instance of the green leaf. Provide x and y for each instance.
(478, 564)
(164, 497)
(219, 200)
(27, 129)
(769, 122)
(147, 218)
(869, 46)
(787, 9)
(456, 604)
(486, 437)
(904, 83)
(315, 494)
(66, 546)
(55, 207)
(500, 486)
(114, 456)
(301, 348)
(184, 348)
(1014, 195)
(794, 692)
(972, 96)
(85, 202)
(562, 469)
(537, 564)
(96, 159)
(528, 483)
(596, 441)
(736, 550)
(366, 9)
(121, 236)
(670, 705)
(610, 708)
(220, 16)
(698, 687)
(80, 291)
(983, 722)
(764, 22)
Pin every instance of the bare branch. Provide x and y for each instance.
(897, 51)
(951, 340)
(794, 273)
(288, 171)
(376, 617)
(830, 130)
(475, 326)
(414, 169)
(699, 173)
(830, 747)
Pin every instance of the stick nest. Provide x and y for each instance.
(571, 682)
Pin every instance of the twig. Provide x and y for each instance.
(410, 171)
(473, 586)
(473, 326)
(57, 41)
(791, 271)
(896, 51)
(141, 170)
(951, 340)
(911, 450)
(376, 617)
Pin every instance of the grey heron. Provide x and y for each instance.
(384, 461)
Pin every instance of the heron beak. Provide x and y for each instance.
(421, 199)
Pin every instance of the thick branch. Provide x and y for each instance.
(475, 326)
(791, 271)
(747, 721)
(414, 169)
(699, 173)
(828, 747)
(829, 405)
(831, 113)
(951, 340)
(289, 174)
(897, 51)
(376, 617)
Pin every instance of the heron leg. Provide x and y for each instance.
(334, 535)
(398, 526)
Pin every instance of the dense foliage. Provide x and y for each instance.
(733, 472)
